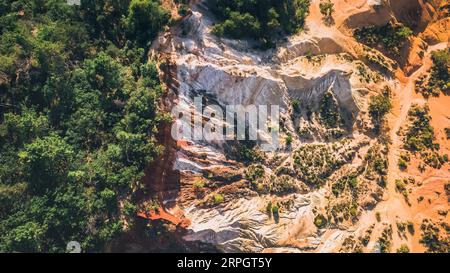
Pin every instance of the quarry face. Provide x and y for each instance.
(331, 185)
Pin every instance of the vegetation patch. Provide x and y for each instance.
(420, 137)
(329, 111)
(351, 245)
(255, 172)
(78, 119)
(320, 221)
(278, 185)
(403, 249)
(244, 151)
(432, 239)
(367, 235)
(433, 159)
(366, 238)
(376, 164)
(284, 185)
(420, 134)
(385, 240)
(316, 162)
(344, 210)
(403, 161)
(379, 106)
(366, 74)
(260, 20)
(346, 182)
(401, 186)
(379, 61)
(327, 9)
(439, 78)
(390, 37)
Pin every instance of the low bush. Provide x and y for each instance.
(403, 249)
(320, 221)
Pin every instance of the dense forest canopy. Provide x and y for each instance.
(78, 118)
(263, 20)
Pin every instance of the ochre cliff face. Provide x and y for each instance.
(356, 201)
(430, 23)
(434, 21)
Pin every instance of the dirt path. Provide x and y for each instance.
(394, 208)
(404, 100)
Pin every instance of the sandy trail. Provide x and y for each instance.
(405, 99)
(394, 208)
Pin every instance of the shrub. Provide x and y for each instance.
(402, 164)
(275, 210)
(296, 106)
(218, 198)
(400, 185)
(410, 226)
(403, 249)
(378, 216)
(401, 226)
(269, 208)
(199, 184)
(447, 188)
(183, 9)
(320, 221)
(288, 139)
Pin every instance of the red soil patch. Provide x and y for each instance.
(154, 215)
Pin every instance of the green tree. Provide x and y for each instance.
(379, 106)
(46, 162)
(145, 19)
